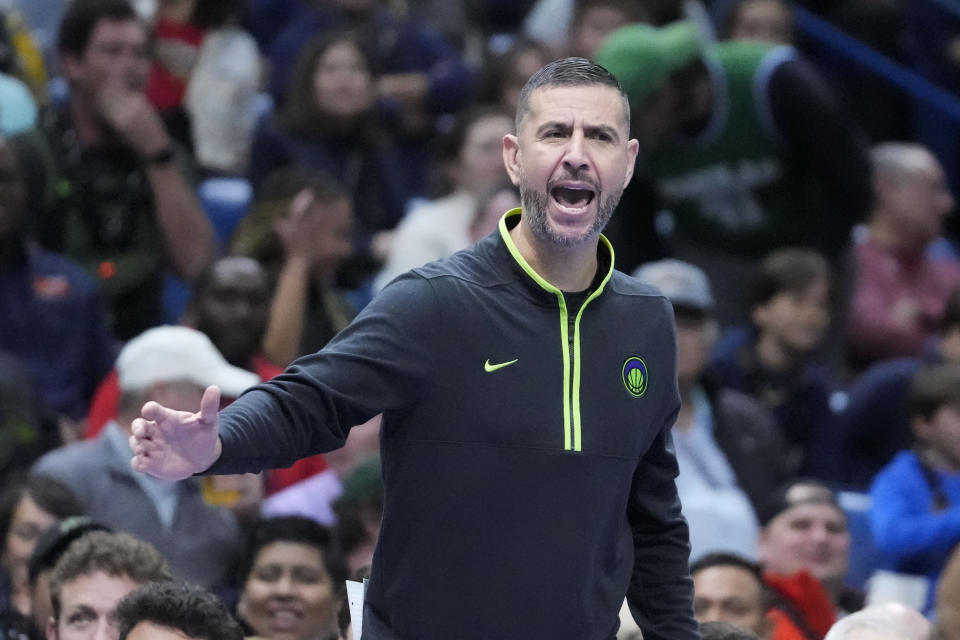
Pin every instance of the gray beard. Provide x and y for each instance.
(534, 203)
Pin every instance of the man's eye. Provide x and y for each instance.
(78, 620)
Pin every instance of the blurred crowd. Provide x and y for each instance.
(198, 192)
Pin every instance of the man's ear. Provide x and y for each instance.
(511, 158)
(71, 66)
(51, 628)
(632, 148)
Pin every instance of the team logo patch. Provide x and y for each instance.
(634, 376)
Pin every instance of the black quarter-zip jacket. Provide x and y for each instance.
(529, 472)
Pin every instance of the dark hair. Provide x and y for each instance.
(300, 114)
(51, 495)
(298, 530)
(255, 236)
(116, 554)
(719, 630)
(53, 542)
(209, 14)
(932, 388)
(81, 18)
(731, 14)
(450, 145)
(951, 312)
(781, 500)
(790, 269)
(202, 284)
(569, 72)
(194, 611)
(498, 66)
(726, 559)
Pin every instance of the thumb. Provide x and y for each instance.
(210, 405)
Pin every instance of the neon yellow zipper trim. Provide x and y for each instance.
(572, 423)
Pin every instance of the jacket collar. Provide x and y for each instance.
(533, 281)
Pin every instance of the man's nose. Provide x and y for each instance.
(285, 585)
(105, 630)
(712, 614)
(575, 159)
(820, 534)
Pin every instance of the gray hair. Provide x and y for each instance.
(895, 160)
(892, 620)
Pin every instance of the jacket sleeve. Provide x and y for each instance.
(378, 363)
(901, 519)
(661, 591)
(660, 595)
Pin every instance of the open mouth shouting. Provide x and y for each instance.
(572, 197)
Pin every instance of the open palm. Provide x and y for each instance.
(173, 445)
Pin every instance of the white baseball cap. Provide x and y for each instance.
(171, 353)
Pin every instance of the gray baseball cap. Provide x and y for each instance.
(681, 282)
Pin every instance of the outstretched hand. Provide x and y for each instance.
(173, 445)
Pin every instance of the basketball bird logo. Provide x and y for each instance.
(635, 376)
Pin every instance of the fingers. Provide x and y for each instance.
(155, 412)
(145, 452)
(300, 204)
(210, 405)
(141, 429)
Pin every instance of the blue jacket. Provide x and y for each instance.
(916, 538)
(52, 321)
(526, 450)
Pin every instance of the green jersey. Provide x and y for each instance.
(733, 186)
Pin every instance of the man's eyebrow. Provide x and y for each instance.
(554, 124)
(602, 128)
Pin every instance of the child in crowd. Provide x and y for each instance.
(789, 309)
(915, 513)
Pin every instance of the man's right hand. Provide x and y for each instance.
(173, 445)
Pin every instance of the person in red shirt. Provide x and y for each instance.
(899, 290)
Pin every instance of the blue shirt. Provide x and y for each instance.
(916, 538)
(52, 322)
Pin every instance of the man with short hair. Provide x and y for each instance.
(529, 477)
(804, 547)
(51, 545)
(89, 580)
(730, 588)
(899, 292)
(171, 365)
(174, 611)
(121, 206)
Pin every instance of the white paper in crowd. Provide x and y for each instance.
(355, 592)
(888, 586)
